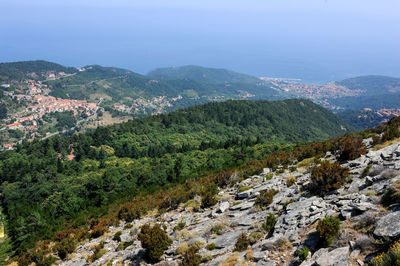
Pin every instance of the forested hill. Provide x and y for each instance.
(45, 183)
(203, 74)
(373, 84)
(31, 69)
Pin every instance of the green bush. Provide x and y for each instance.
(269, 223)
(154, 240)
(64, 248)
(265, 197)
(124, 245)
(328, 228)
(328, 177)
(242, 243)
(211, 246)
(190, 257)
(117, 236)
(179, 226)
(303, 254)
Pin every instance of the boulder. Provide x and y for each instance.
(388, 225)
(244, 194)
(226, 240)
(336, 257)
(223, 207)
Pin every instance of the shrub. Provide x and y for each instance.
(242, 243)
(328, 228)
(117, 236)
(254, 237)
(190, 257)
(98, 252)
(154, 240)
(366, 170)
(392, 195)
(211, 246)
(65, 247)
(328, 177)
(293, 169)
(303, 254)
(265, 197)
(128, 215)
(391, 257)
(376, 139)
(179, 226)
(208, 200)
(351, 149)
(128, 226)
(124, 245)
(269, 223)
(181, 249)
(217, 228)
(290, 181)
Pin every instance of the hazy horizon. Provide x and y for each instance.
(314, 40)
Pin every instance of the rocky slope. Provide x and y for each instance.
(364, 220)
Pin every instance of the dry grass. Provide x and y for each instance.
(231, 260)
(305, 163)
(385, 144)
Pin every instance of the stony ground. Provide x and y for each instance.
(364, 220)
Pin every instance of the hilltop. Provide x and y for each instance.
(202, 74)
(373, 84)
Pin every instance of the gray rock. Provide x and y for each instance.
(311, 241)
(388, 225)
(307, 263)
(258, 255)
(244, 194)
(226, 240)
(223, 207)
(266, 263)
(336, 257)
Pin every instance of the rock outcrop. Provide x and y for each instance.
(216, 230)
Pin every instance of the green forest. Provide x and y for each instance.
(45, 183)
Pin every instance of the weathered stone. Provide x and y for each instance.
(226, 240)
(388, 225)
(266, 263)
(336, 257)
(258, 255)
(244, 194)
(223, 207)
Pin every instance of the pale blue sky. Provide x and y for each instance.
(317, 40)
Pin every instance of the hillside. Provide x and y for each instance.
(45, 183)
(372, 85)
(202, 74)
(39, 69)
(328, 203)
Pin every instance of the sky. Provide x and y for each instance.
(315, 40)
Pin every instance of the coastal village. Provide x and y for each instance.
(38, 104)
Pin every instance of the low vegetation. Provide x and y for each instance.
(190, 257)
(242, 243)
(328, 228)
(389, 258)
(265, 197)
(154, 240)
(303, 254)
(269, 223)
(327, 177)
